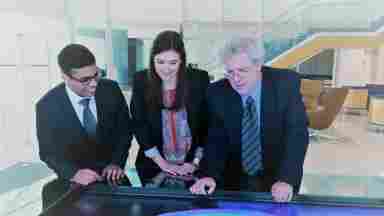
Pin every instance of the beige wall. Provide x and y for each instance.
(358, 67)
(351, 67)
(28, 66)
(380, 65)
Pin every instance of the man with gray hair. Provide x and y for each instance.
(257, 137)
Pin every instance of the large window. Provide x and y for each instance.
(343, 159)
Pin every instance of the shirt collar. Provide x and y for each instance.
(75, 98)
(254, 93)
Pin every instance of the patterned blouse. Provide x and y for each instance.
(177, 136)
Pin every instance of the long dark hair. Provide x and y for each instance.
(166, 40)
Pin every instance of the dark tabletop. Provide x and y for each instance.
(122, 200)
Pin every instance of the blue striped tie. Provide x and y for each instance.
(250, 137)
(89, 121)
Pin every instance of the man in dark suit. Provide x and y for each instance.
(83, 126)
(257, 137)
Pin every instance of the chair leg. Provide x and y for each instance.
(320, 134)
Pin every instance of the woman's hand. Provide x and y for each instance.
(166, 166)
(180, 170)
(186, 169)
(170, 168)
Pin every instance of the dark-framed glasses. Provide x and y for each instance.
(243, 72)
(88, 79)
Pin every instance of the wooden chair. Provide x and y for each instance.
(311, 90)
(356, 101)
(376, 107)
(330, 104)
(376, 111)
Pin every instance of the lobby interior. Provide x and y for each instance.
(345, 155)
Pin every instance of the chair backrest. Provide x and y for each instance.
(375, 90)
(357, 98)
(311, 90)
(376, 110)
(331, 103)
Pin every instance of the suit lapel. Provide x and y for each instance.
(234, 113)
(101, 107)
(157, 122)
(190, 110)
(190, 106)
(267, 106)
(69, 112)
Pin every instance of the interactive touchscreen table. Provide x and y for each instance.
(127, 201)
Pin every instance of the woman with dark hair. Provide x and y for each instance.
(169, 110)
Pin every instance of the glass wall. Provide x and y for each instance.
(303, 38)
(28, 67)
(27, 64)
(343, 159)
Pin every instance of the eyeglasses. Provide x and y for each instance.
(241, 73)
(87, 80)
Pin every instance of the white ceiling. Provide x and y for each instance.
(152, 14)
(45, 8)
(164, 11)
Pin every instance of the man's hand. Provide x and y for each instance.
(85, 177)
(203, 183)
(282, 192)
(113, 173)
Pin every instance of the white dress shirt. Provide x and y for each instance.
(75, 100)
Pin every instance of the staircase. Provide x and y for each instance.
(297, 36)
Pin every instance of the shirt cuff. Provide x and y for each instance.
(152, 152)
(199, 153)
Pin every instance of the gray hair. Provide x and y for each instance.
(252, 46)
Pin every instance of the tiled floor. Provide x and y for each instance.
(350, 165)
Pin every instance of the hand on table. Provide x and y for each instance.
(113, 174)
(186, 169)
(85, 177)
(282, 192)
(170, 168)
(202, 184)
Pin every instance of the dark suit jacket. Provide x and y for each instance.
(63, 143)
(284, 135)
(149, 124)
